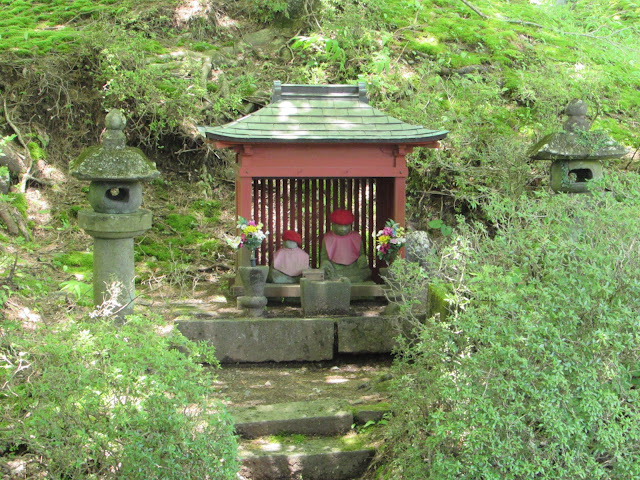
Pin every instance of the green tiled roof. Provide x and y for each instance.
(320, 114)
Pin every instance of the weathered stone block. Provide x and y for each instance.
(329, 297)
(367, 334)
(263, 340)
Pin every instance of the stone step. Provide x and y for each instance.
(310, 458)
(316, 417)
(238, 340)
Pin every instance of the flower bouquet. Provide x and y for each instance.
(389, 241)
(251, 236)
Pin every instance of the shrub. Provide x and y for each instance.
(86, 399)
(531, 374)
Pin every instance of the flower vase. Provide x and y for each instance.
(253, 281)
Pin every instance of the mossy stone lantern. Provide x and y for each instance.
(576, 153)
(115, 193)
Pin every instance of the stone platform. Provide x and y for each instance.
(240, 340)
(278, 290)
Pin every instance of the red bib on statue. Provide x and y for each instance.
(291, 261)
(342, 249)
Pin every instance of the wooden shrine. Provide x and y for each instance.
(313, 149)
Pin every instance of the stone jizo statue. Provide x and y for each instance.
(290, 260)
(342, 254)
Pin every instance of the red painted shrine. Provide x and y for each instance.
(312, 150)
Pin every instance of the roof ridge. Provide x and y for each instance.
(315, 92)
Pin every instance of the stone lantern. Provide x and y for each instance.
(576, 152)
(115, 194)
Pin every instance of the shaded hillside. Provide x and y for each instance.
(496, 77)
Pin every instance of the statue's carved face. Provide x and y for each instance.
(340, 229)
(290, 244)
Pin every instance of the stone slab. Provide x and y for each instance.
(263, 340)
(316, 459)
(364, 416)
(318, 417)
(328, 297)
(367, 334)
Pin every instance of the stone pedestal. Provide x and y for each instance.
(253, 281)
(328, 297)
(113, 252)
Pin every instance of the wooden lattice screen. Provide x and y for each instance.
(305, 204)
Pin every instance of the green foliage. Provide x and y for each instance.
(18, 200)
(530, 375)
(211, 247)
(38, 27)
(5, 140)
(444, 229)
(181, 223)
(89, 399)
(81, 292)
(211, 209)
(75, 262)
(36, 151)
(266, 11)
(160, 102)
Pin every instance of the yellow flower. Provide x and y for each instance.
(382, 239)
(250, 229)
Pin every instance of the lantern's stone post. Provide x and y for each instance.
(115, 193)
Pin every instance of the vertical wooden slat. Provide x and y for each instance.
(307, 215)
(334, 194)
(255, 205)
(255, 198)
(356, 204)
(363, 207)
(270, 208)
(300, 220)
(263, 219)
(315, 232)
(285, 204)
(370, 224)
(330, 203)
(278, 208)
(292, 204)
(349, 195)
(322, 200)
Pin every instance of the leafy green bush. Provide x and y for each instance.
(87, 399)
(531, 373)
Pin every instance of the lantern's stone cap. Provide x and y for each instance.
(576, 142)
(113, 160)
(321, 114)
(596, 145)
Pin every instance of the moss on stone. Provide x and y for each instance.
(437, 302)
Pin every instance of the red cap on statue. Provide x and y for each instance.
(342, 217)
(292, 236)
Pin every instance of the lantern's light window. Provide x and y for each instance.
(580, 175)
(118, 194)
